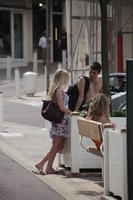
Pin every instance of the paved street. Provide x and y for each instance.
(24, 139)
(16, 183)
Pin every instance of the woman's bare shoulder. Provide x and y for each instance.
(59, 91)
(81, 82)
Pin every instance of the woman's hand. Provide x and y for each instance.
(75, 113)
(114, 125)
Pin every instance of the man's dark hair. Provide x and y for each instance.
(96, 66)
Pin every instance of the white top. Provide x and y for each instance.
(43, 42)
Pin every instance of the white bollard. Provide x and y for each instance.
(17, 82)
(30, 80)
(8, 69)
(45, 71)
(1, 109)
(59, 65)
(35, 62)
(64, 59)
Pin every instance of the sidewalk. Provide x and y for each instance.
(26, 145)
(24, 69)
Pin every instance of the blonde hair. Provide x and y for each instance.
(60, 80)
(98, 107)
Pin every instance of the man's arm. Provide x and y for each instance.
(100, 83)
(81, 85)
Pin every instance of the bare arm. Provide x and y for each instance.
(101, 84)
(107, 123)
(60, 102)
(80, 99)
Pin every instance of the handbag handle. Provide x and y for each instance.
(47, 106)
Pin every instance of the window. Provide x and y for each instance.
(5, 34)
(11, 34)
(18, 36)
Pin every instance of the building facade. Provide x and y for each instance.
(16, 32)
(22, 23)
(86, 33)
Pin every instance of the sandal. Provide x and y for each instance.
(39, 171)
(52, 171)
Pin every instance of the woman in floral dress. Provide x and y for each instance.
(58, 131)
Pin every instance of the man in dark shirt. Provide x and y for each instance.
(81, 93)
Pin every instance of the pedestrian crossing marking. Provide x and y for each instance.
(10, 134)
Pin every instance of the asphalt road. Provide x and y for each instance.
(17, 112)
(23, 114)
(16, 183)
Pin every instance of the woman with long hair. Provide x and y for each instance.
(58, 131)
(99, 110)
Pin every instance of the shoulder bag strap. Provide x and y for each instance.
(54, 97)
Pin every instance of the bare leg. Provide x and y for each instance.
(57, 141)
(40, 165)
(45, 159)
(61, 147)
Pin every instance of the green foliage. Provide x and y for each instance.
(83, 113)
(119, 113)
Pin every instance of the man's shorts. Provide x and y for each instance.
(44, 53)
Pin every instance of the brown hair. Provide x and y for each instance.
(96, 66)
(98, 107)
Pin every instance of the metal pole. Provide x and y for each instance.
(8, 70)
(69, 34)
(64, 59)
(35, 62)
(17, 82)
(68, 30)
(1, 109)
(48, 41)
(71, 52)
(45, 70)
(129, 64)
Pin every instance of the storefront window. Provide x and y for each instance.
(18, 36)
(5, 35)
(11, 35)
(57, 5)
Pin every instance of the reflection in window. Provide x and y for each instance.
(18, 36)
(5, 35)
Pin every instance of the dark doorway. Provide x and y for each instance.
(39, 23)
(57, 23)
(5, 33)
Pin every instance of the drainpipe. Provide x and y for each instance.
(119, 52)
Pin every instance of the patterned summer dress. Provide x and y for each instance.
(61, 129)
